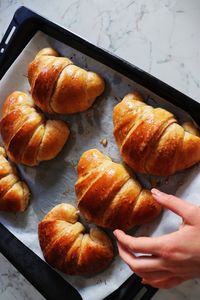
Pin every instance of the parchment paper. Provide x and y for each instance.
(52, 182)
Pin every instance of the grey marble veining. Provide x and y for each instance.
(13, 286)
(159, 36)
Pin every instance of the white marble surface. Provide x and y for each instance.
(159, 36)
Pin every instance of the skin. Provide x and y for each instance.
(175, 257)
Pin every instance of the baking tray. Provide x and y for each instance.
(21, 29)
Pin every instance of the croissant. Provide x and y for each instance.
(68, 248)
(58, 86)
(108, 196)
(150, 140)
(27, 136)
(14, 194)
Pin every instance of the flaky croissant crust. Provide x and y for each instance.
(14, 193)
(68, 248)
(28, 137)
(58, 86)
(150, 139)
(108, 196)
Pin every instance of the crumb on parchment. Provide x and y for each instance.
(104, 142)
(154, 181)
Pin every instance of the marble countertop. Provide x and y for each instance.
(160, 37)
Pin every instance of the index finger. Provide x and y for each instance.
(188, 211)
(146, 245)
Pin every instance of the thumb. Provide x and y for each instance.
(187, 211)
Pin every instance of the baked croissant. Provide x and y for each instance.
(14, 193)
(27, 136)
(150, 140)
(58, 86)
(68, 248)
(108, 196)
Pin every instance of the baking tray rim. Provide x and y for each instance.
(25, 18)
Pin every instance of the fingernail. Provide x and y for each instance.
(156, 192)
(115, 232)
(144, 281)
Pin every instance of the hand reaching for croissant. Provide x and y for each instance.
(175, 257)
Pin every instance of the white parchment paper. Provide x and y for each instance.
(52, 182)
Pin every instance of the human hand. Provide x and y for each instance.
(175, 257)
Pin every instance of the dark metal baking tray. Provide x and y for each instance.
(22, 28)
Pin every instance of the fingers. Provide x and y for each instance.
(125, 254)
(140, 264)
(182, 208)
(147, 245)
(166, 283)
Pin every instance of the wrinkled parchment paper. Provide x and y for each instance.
(52, 182)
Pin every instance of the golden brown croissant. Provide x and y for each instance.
(58, 86)
(68, 248)
(27, 136)
(108, 196)
(150, 140)
(14, 193)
